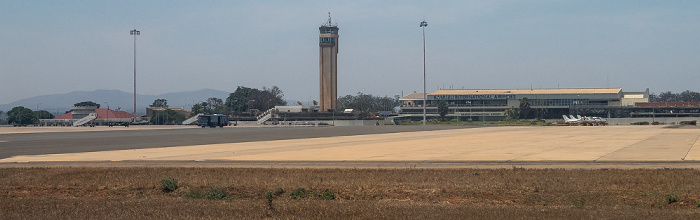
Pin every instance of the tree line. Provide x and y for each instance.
(668, 96)
(242, 100)
(24, 116)
(368, 103)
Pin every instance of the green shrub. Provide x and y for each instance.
(670, 198)
(216, 194)
(275, 192)
(300, 193)
(326, 195)
(641, 123)
(168, 184)
(579, 202)
(194, 194)
(697, 204)
(270, 195)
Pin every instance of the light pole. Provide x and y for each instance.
(37, 113)
(108, 114)
(134, 33)
(424, 24)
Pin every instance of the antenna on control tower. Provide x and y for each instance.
(329, 19)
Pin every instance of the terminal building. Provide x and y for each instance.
(491, 104)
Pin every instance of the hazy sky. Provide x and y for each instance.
(49, 47)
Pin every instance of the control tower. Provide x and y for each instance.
(328, 65)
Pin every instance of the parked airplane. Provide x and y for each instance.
(594, 120)
(584, 120)
(571, 120)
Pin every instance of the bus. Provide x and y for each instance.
(212, 120)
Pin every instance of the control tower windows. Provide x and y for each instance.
(327, 40)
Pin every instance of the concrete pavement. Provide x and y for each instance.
(530, 143)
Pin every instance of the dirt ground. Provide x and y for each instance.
(514, 193)
(616, 172)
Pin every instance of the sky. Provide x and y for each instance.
(55, 47)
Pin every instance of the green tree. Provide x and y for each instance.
(198, 109)
(205, 108)
(525, 109)
(277, 94)
(21, 115)
(367, 102)
(541, 113)
(245, 98)
(162, 103)
(689, 96)
(167, 117)
(238, 100)
(43, 114)
(442, 109)
(215, 106)
(87, 103)
(512, 113)
(668, 96)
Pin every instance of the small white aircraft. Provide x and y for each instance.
(571, 120)
(584, 120)
(595, 120)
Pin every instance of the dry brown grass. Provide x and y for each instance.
(135, 193)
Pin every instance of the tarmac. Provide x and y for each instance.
(504, 145)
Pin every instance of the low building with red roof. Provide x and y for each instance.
(104, 117)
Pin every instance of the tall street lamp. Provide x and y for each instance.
(424, 24)
(134, 33)
(108, 124)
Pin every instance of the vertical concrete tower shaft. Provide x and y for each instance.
(328, 68)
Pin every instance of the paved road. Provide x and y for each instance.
(14, 144)
(383, 146)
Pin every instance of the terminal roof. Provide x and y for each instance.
(525, 91)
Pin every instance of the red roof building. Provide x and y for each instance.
(102, 113)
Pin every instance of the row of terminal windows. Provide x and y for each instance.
(533, 102)
(325, 40)
(566, 102)
(329, 31)
(477, 103)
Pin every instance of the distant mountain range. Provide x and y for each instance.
(58, 104)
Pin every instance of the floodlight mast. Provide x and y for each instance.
(134, 33)
(424, 24)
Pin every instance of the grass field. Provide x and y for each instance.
(253, 193)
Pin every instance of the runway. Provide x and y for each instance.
(382, 146)
(56, 140)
